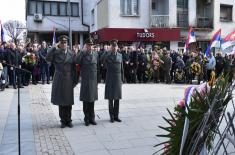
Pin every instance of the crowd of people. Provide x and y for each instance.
(139, 64)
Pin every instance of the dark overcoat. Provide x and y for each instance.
(62, 86)
(88, 70)
(114, 75)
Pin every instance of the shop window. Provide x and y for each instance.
(226, 12)
(130, 7)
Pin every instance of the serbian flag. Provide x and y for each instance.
(215, 42)
(229, 40)
(54, 37)
(190, 39)
(2, 34)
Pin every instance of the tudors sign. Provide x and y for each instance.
(145, 35)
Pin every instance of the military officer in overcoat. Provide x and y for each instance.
(62, 87)
(88, 61)
(114, 77)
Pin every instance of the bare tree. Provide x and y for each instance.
(14, 30)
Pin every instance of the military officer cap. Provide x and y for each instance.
(63, 38)
(114, 42)
(89, 41)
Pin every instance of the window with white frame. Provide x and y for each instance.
(130, 7)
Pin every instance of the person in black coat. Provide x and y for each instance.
(14, 60)
(142, 66)
(126, 63)
(133, 65)
(44, 66)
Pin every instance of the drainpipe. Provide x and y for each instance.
(83, 19)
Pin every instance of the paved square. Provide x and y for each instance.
(141, 111)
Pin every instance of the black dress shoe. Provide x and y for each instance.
(92, 122)
(70, 124)
(117, 120)
(62, 125)
(111, 120)
(48, 82)
(86, 123)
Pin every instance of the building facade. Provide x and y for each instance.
(163, 22)
(65, 16)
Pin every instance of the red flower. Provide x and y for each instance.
(181, 104)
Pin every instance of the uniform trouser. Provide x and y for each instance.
(65, 113)
(113, 108)
(89, 112)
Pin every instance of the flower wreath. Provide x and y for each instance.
(195, 68)
(183, 124)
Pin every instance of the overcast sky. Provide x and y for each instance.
(12, 10)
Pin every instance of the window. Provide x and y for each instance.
(39, 7)
(32, 7)
(54, 9)
(74, 7)
(226, 12)
(129, 7)
(63, 9)
(47, 8)
(92, 17)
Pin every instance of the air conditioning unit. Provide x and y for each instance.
(37, 17)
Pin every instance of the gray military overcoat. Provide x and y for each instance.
(62, 86)
(88, 71)
(114, 75)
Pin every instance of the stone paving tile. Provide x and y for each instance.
(49, 137)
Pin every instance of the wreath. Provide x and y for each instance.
(184, 123)
(195, 68)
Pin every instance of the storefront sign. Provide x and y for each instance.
(145, 35)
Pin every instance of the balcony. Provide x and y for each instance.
(160, 21)
(204, 22)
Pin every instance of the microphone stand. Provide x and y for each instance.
(18, 83)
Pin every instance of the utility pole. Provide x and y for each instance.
(70, 32)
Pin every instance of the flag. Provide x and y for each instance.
(190, 39)
(54, 37)
(2, 34)
(229, 40)
(215, 42)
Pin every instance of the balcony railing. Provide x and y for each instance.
(160, 20)
(204, 22)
